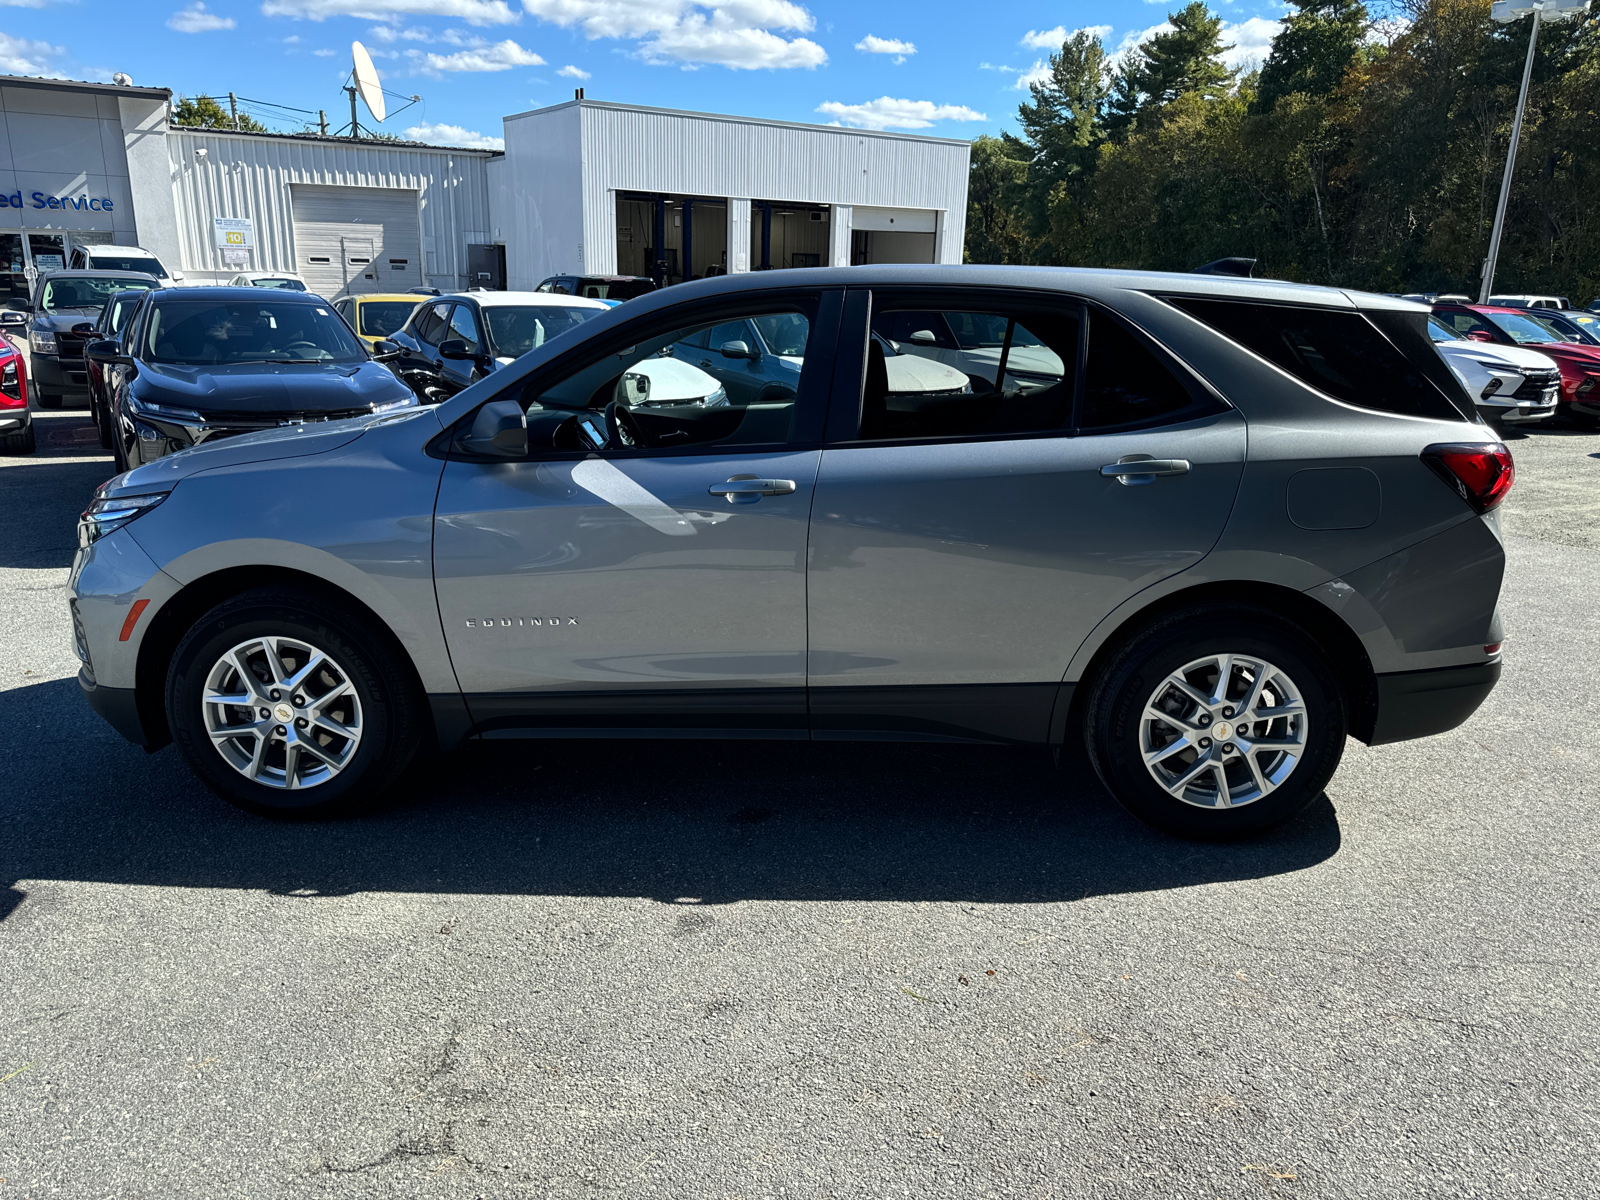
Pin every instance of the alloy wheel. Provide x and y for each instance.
(282, 713)
(1223, 731)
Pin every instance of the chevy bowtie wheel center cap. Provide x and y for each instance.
(283, 712)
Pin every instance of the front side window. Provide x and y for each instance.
(1465, 323)
(516, 329)
(1339, 352)
(203, 332)
(650, 398)
(429, 327)
(380, 318)
(83, 294)
(464, 326)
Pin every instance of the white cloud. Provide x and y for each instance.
(689, 33)
(889, 113)
(1251, 40)
(195, 19)
(30, 3)
(473, 12)
(1045, 39)
(719, 41)
(388, 33)
(454, 135)
(571, 72)
(894, 46)
(324, 53)
(1038, 73)
(502, 56)
(19, 56)
(292, 39)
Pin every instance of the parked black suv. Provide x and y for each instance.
(64, 308)
(114, 317)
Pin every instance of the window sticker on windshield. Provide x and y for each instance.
(322, 312)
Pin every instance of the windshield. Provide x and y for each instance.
(1588, 322)
(196, 332)
(1440, 332)
(784, 333)
(127, 262)
(288, 285)
(380, 318)
(1525, 331)
(516, 329)
(84, 292)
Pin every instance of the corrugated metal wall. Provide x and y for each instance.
(246, 176)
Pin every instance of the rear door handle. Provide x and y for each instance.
(1132, 470)
(749, 485)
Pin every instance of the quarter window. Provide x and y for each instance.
(429, 329)
(1337, 351)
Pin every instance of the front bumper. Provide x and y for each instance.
(57, 373)
(15, 420)
(1523, 412)
(118, 706)
(1418, 704)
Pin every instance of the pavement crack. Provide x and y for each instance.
(405, 1148)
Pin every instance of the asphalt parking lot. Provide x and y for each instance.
(753, 970)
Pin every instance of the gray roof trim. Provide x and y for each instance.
(704, 116)
(80, 85)
(365, 143)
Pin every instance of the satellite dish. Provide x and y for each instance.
(367, 85)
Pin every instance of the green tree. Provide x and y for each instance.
(995, 220)
(206, 113)
(1185, 59)
(1313, 50)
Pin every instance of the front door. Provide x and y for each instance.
(657, 584)
(961, 553)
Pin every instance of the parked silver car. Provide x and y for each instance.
(1244, 519)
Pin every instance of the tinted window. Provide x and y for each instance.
(85, 292)
(464, 325)
(1338, 352)
(380, 318)
(1002, 372)
(516, 329)
(1125, 384)
(196, 332)
(1525, 331)
(661, 400)
(287, 285)
(428, 327)
(1465, 323)
(125, 262)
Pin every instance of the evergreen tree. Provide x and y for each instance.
(1313, 50)
(1187, 58)
(1063, 125)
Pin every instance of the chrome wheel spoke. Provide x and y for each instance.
(246, 675)
(253, 769)
(329, 725)
(1292, 709)
(1224, 677)
(309, 746)
(1262, 784)
(1167, 751)
(223, 733)
(269, 651)
(299, 677)
(239, 699)
(1219, 775)
(291, 765)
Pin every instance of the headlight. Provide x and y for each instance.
(717, 399)
(109, 514)
(42, 343)
(408, 402)
(163, 412)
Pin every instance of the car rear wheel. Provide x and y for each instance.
(1216, 723)
(285, 703)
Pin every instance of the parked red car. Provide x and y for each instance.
(1579, 361)
(16, 421)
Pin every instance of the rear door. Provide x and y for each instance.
(961, 552)
(621, 590)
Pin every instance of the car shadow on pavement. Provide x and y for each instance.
(41, 495)
(691, 821)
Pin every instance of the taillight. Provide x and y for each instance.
(1480, 473)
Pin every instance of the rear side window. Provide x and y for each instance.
(1126, 386)
(1338, 352)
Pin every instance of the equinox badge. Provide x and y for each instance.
(509, 622)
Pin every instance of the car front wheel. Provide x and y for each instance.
(1216, 723)
(286, 703)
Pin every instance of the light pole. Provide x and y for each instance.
(1506, 11)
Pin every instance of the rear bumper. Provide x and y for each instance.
(117, 706)
(1417, 704)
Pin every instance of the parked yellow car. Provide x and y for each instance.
(376, 316)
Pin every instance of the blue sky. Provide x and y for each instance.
(956, 70)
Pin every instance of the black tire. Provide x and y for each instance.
(25, 442)
(102, 422)
(390, 706)
(46, 399)
(1115, 706)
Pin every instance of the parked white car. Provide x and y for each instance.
(286, 281)
(1531, 301)
(1509, 384)
(122, 258)
(972, 343)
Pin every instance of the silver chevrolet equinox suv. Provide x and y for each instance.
(1212, 526)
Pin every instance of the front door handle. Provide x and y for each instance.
(1136, 469)
(749, 485)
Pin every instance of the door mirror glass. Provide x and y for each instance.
(106, 351)
(83, 327)
(633, 388)
(498, 430)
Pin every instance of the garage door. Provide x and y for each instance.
(352, 239)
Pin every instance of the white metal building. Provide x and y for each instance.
(588, 187)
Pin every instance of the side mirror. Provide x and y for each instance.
(12, 319)
(107, 351)
(924, 337)
(633, 388)
(455, 348)
(23, 306)
(385, 351)
(499, 430)
(737, 350)
(83, 327)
